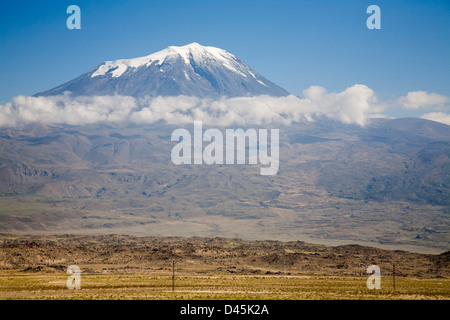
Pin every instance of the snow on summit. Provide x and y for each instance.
(194, 51)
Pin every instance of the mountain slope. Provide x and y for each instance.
(191, 70)
(386, 183)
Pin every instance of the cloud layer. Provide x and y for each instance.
(65, 109)
(356, 104)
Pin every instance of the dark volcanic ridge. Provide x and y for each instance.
(218, 255)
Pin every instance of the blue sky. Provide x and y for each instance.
(295, 44)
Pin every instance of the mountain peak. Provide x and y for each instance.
(192, 70)
(189, 45)
(193, 50)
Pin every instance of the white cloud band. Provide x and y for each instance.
(354, 105)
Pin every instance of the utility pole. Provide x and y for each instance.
(393, 274)
(119, 248)
(173, 275)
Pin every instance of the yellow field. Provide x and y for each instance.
(23, 285)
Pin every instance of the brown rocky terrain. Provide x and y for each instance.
(117, 253)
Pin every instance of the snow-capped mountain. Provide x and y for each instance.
(192, 70)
